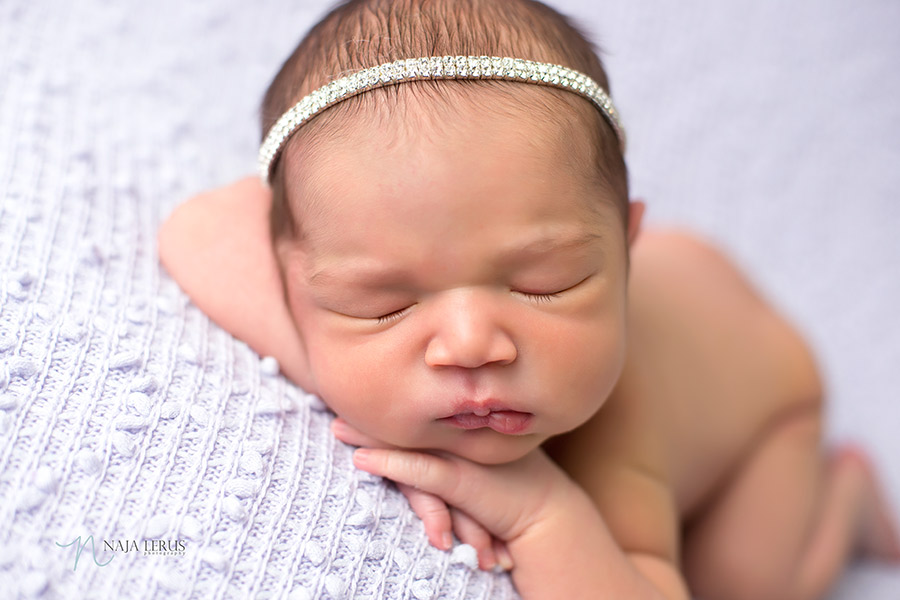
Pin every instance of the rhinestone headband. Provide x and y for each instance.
(439, 67)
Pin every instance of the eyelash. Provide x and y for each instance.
(541, 298)
(537, 298)
(545, 298)
(392, 316)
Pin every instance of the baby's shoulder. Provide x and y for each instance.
(709, 363)
(691, 302)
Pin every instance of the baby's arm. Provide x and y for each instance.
(217, 246)
(560, 545)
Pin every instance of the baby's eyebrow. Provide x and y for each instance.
(547, 244)
(358, 275)
(375, 275)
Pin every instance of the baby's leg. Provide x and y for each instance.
(789, 520)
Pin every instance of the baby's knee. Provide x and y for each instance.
(799, 370)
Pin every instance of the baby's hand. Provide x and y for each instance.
(439, 519)
(490, 505)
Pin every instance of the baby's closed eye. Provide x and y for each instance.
(553, 291)
(393, 315)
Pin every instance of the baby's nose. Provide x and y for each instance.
(468, 334)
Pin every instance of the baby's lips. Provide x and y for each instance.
(509, 422)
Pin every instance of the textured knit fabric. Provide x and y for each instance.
(125, 414)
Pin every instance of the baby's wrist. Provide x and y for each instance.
(566, 507)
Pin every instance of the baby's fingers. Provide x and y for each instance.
(434, 474)
(503, 499)
(434, 514)
(471, 532)
(349, 434)
(503, 555)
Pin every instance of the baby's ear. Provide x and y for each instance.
(217, 246)
(636, 210)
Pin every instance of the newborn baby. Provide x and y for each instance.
(445, 252)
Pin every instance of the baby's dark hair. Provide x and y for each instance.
(358, 34)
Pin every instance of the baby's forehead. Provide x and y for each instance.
(477, 154)
(511, 131)
(553, 122)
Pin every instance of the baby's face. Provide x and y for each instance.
(461, 291)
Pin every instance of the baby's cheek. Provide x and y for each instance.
(338, 376)
(590, 364)
(356, 386)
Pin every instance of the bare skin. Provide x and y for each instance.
(712, 434)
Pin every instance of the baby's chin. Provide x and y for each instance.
(483, 446)
(488, 447)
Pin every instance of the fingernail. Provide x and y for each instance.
(448, 540)
(504, 558)
(489, 565)
(361, 455)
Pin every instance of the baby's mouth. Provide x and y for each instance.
(509, 422)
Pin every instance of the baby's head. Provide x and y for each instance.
(454, 252)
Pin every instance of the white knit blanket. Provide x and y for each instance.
(125, 415)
